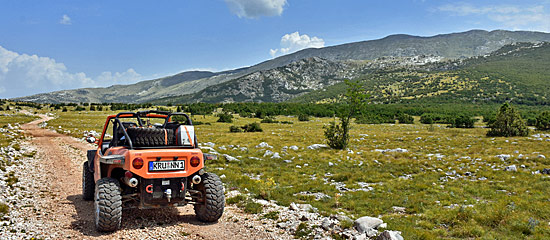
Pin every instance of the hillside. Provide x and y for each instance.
(517, 72)
(182, 86)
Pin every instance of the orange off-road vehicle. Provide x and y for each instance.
(149, 159)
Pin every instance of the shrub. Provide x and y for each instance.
(64, 109)
(225, 117)
(235, 129)
(508, 123)
(337, 135)
(4, 209)
(269, 120)
(543, 121)
(253, 207)
(463, 121)
(79, 108)
(252, 127)
(303, 117)
(302, 231)
(405, 119)
(273, 215)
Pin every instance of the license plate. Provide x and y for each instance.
(166, 165)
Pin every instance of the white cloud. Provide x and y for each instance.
(294, 42)
(65, 20)
(509, 16)
(22, 74)
(256, 8)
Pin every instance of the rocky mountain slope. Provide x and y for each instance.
(518, 72)
(455, 45)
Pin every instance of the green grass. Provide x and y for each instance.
(506, 205)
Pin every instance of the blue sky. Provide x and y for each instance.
(54, 45)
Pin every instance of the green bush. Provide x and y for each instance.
(269, 120)
(463, 121)
(252, 127)
(335, 137)
(235, 129)
(64, 109)
(405, 119)
(225, 117)
(543, 121)
(303, 117)
(4, 209)
(508, 123)
(253, 207)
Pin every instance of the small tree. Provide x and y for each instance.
(303, 117)
(543, 121)
(405, 118)
(337, 135)
(463, 121)
(225, 117)
(508, 123)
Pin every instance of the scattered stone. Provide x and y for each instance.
(327, 224)
(398, 209)
(263, 145)
(397, 150)
(363, 224)
(268, 153)
(302, 207)
(275, 155)
(390, 235)
(330, 164)
(230, 158)
(511, 168)
(542, 156)
(317, 146)
(504, 157)
(287, 161)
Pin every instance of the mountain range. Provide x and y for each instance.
(296, 75)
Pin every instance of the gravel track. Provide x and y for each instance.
(59, 211)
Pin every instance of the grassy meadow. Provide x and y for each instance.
(450, 181)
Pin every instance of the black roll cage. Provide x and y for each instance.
(117, 123)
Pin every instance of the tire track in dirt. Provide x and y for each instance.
(66, 215)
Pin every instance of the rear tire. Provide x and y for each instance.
(214, 200)
(108, 205)
(88, 184)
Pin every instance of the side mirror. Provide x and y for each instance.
(90, 139)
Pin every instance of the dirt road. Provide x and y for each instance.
(64, 214)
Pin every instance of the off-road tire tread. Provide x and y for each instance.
(88, 184)
(150, 137)
(212, 209)
(109, 204)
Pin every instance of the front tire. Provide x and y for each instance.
(108, 205)
(88, 184)
(211, 209)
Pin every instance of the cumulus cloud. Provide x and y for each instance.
(294, 42)
(509, 16)
(22, 75)
(256, 8)
(65, 20)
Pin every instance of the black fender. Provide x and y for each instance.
(91, 157)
